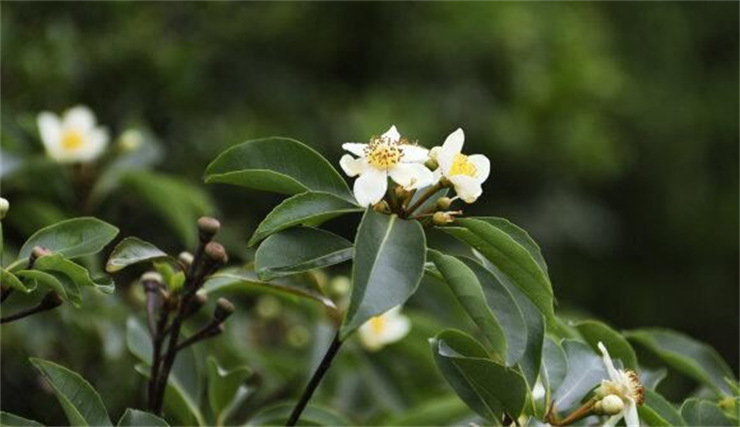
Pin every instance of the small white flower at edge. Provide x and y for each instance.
(387, 155)
(624, 385)
(75, 137)
(387, 328)
(466, 173)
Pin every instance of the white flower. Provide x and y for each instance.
(73, 138)
(625, 385)
(385, 329)
(387, 155)
(466, 173)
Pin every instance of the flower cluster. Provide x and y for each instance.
(413, 167)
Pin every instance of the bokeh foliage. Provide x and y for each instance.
(612, 127)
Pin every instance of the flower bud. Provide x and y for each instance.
(216, 253)
(207, 228)
(442, 218)
(224, 309)
(444, 203)
(611, 404)
(4, 206)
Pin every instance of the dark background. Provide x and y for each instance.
(612, 127)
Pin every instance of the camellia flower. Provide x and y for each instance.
(74, 137)
(387, 155)
(624, 385)
(385, 329)
(465, 173)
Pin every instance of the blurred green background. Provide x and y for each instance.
(612, 127)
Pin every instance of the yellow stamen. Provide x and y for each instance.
(382, 153)
(377, 324)
(462, 166)
(72, 140)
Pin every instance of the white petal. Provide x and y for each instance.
(414, 154)
(356, 148)
(482, 166)
(630, 414)
(450, 149)
(50, 130)
(79, 118)
(411, 175)
(467, 188)
(370, 187)
(392, 134)
(351, 166)
(613, 373)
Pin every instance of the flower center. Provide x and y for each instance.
(383, 153)
(377, 324)
(462, 166)
(71, 140)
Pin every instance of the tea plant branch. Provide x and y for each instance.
(51, 301)
(315, 380)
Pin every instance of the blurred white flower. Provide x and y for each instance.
(625, 385)
(466, 173)
(387, 155)
(387, 328)
(75, 137)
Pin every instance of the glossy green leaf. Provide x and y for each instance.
(11, 281)
(177, 202)
(245, 280)
(487, 387)
(226, 389)
(80, 401)
(585, 371)
(511, 258)
(310, 208)
(619, 348)
(698, 412)
(506, 310)
(695, 359)
(280, 165)
(136, 418)
(277, 415)
(72, 238)
(388, 265)
(130, 251)
(469, 293)
(300, 249)
(657, 411)
(11, 420)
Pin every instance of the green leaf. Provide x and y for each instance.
(80, 401)
(179, 203)
(241, 280)
(310, 208)
(469, 293)
(10, 280)
(300, 249)
(703, 413)
(280, 165)
(487, 387)
(136, 418)
(619, 348)
(585, 371)
(278, 414)
(46, 280)
(72, 238)
(657, 411)
(388, 265)
(554, 365)
(695, 359)
(506, 310)
(11, 420)
(130, 251)
(511, 258)
(226, 389)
